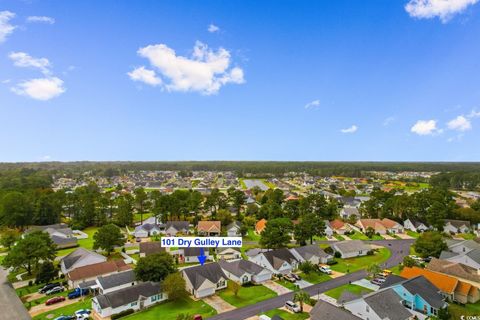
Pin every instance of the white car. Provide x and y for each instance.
(264, 317)
(325, 269)
(292, 306)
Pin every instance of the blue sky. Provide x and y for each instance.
(271, 80)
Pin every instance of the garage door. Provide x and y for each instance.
(262, 278)
(205, 292)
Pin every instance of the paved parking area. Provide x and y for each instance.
(366, 284)
(218, 304)
(275, 287)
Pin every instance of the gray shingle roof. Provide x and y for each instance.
(198, 274)
(278, 256)
(351, 246)
(392, 280)
(80, 253)
(116, 279)
(128, 295)
(387, 304)
(240, 267)
(447, 255)
(307, 252)
(326, 311)
(425, 289)
(178, 225)
(194, 251)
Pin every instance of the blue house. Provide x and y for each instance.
(420, 295)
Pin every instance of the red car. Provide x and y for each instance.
(54, 300)
(197, 317)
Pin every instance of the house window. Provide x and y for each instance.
(133, 304)
(221, 284)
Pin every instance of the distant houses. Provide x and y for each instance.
(62, 236)
(173, 228)
(313, 254)
(457, 226)
(415, 225)
(148, 248)
(92, 271)
(380, 226)
(209, 228)
(233, 229)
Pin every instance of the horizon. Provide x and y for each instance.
(330, 81)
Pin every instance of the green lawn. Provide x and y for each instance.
(376, 237)
(137, 217)
(315, 277)
(466, 236)
(358, 236)
(67, 310)
(251, 236)
(339, 237)
(287, 284)
(396, 270)
(246, 295)
(287, 315)
(84, 243)
(354, 264)
(171, 309)
(471, 309)
(413, 234)
(337, 292)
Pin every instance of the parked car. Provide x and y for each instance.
(54, 300)
(77, 293)
(47, 287)
(325, 269)
(289, 278)
(65, 318)
(82, 311)
(54, 290)
(295, 276)
(377, 281)
(197, 317)
(292, 306)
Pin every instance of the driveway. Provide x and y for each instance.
(42, 308)
(275, 287)
(303, 284)
(218, 304)
(366, 284)
(10, 304)
(387, 237)
(403, 236)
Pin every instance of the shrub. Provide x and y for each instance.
(337, 254)
(306, 267)
(328, 250)
(122, 314)
(370, 253)
(332, 262)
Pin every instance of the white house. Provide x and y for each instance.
(137, 297)
(233, 229)
(456, 226)
(147, 230)
(116, 281)
(228, 254)
(279, 261)
(190, 254)
(204, 281)
(243, 271)
(174, 227)
(351, 248)
(328, 229)
(79, 258)
(415, 226)
(312, 253)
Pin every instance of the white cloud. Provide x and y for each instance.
(24, 60)
(6, 28)
(352, 129)
(41, 88)
(41, 19)
(474, 114)
(388, 121)
(460, 123)
(312, 104)
(443, 9)
(145, 75)
(206, 71)
(213, 28)
(425, 127)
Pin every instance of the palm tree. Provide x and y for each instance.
(301, 297)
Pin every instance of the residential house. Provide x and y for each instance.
(243, 271)
(462, 246)
(203, 281)
(228, 253)
(348, 212)
(61, 235)
(190, 254)
(326, 311)
(233, 229)
(172, 228)
(351, 248)
(381, 226)
(79, 258)
(450, 287)
(209, 228)
(415, 225)
(456, 270)
(311, 253)
(92, 271)
(328, 229)
(148, 248)
(147, 230)
(260, 226)
(116, 281)
(463, 251)
(340, 227)
(279, 261)
(420, 295)
(137, 297)
(379, 305)
(457, 226)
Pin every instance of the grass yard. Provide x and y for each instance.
(396, 270)
(466, 236)
(287, 315)
(171, 309)
(355, 264)
(246, 295)
(337, 292)
(287, 284)
(315, 277)
(358, 236)
(67, 310)
(84, 243)
(413, 234)
(376, 237)
(251, 236)
(339, 237)
(471, 309)
(137, 217)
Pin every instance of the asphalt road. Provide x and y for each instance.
(10, 305)
(398, 248)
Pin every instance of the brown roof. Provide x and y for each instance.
(209, 226)
(151, 247)
(455, 269)
(98, 269)
(336, 224)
